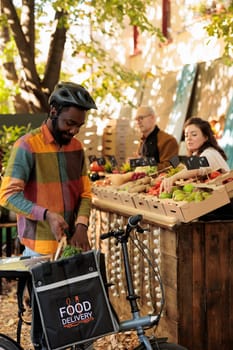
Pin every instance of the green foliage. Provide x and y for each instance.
(221, 26)
(109, 76)
(102, 19)
(5, 94)
(8, 136)
(116, 11)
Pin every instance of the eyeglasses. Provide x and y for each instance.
(141, 117)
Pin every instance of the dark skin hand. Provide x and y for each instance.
(58, 226)
(80, 238)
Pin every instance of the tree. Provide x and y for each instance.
(220, 15)
(23, 26)
(221, 25)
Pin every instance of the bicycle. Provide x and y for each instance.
(137, 323)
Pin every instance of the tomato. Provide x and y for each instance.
(214, 174)
(95, 167)
(154, 190)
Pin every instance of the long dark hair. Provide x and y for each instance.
(206, 130)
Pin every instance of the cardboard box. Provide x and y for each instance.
(111, 195)
(127, 199)
(155, 204)
(97, 191)
(224, 178)
(141, 202)
(188, 211)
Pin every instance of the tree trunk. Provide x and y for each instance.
(10, 73)
(35, 89)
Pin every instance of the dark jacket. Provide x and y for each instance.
(160, 145)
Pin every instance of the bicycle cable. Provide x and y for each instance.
(149, 256)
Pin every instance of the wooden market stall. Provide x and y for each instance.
(195, 259)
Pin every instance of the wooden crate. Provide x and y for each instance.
(119, 139)
(92, 142)
(155, 205)
(127, 199)
(188, 211)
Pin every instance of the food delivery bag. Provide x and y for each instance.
(72, 300)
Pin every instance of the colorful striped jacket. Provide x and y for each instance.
(42, 175)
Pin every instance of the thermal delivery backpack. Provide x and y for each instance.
(72, 300)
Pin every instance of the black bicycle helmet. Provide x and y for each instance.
(71, 94)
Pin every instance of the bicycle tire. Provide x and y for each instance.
(157, 345)
(7, 343)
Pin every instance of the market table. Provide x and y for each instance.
(195, 260)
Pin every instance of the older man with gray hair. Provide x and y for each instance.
(154, 142)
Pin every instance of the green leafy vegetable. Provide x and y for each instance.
(70, 251)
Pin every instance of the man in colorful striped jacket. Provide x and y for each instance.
(46, 181)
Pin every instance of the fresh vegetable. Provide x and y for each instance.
(148, 169)
(125, 168)
(173, 171)
(164, 195)
(188, 187)
(139, 188)
(108, 167)
(194, 195)
(94, 176)
(69, 251)
(138, 175)
(214, 174)
(95, 167)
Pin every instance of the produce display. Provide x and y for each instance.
(145, 182)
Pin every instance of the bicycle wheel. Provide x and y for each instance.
(157, 344)
(7, 343)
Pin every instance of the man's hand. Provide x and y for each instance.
(79, 238)
(57, 224)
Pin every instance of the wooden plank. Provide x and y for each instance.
(168, 242)
(171, 304)
(185, 288)
(169, 270)
(167, 328)
(219, 285)
(198, 282)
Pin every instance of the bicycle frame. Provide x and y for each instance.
(138, 322)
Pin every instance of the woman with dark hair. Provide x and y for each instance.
(200, 141)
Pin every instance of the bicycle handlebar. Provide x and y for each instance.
(107, 235)
(132, 224)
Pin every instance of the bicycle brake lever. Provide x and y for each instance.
(140, 229)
